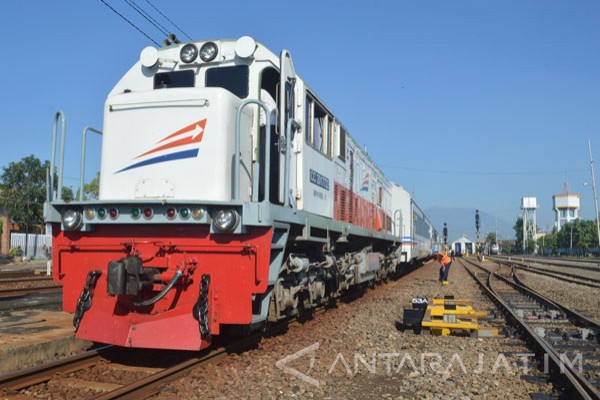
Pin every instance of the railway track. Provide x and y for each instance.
(20, 283)
(565, 342)
(32, 291)
(85, 375)
(15, 292)
(564, 276)
(581, 264)
(30, 273)
(91, 374)
(108, 373)
(4, 281)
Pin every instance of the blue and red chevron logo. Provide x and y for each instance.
(189, 135)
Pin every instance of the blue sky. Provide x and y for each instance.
(465, 103)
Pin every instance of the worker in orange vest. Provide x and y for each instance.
(445, 262)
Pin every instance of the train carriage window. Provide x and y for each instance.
(342, 144)
(234, 79)
(175, 79)
(421, 227)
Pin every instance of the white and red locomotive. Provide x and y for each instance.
(210, 217)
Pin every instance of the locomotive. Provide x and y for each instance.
(230, 197)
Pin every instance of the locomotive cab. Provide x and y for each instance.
(179, 104)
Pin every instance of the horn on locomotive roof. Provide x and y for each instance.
(171, 39)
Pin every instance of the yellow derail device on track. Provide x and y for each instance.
(445, 316)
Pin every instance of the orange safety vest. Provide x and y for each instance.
(443, 258)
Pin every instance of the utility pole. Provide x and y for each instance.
(477, 227)
(594, 187)
(445, 237)
(26, 253)
(571, 246)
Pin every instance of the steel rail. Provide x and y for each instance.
(572, 314)
(44, 372)
(4, 281)
(591, 265)
(5, 293)
(518, 283)
(142, 388)
(579, 383)
(564, 276)
(150, 385)
(21, 274)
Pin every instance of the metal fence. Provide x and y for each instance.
(33, 246)
(572, 252)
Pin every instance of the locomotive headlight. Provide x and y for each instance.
(208, 51)
(188, 53)
(225, 220)
(71, 219)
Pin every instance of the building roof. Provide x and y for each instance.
(463, 238)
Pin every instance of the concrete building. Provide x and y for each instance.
(463, 246)
(566, 207)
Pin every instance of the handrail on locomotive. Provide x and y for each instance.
(237, 160)
(83, 143)
(50, 191)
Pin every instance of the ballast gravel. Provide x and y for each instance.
(356, 351)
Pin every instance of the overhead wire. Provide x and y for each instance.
(167, 18)
(129, 22)
(147, 17)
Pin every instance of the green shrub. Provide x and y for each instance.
(15, 252)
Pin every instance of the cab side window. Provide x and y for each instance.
(319, 126)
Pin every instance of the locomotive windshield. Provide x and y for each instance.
(174, 79)
(234, 79)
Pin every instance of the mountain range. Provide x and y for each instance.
(461, 221)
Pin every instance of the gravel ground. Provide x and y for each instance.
(355, 351)
(578, 297)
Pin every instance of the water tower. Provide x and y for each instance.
(566, 207)
(528, 205)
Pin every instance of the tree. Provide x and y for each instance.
(548, 241)
(577, 233)
(589, 234)
(67, 194)
(518, 227)
(491, 237)
(91, 189)
(23, 190)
